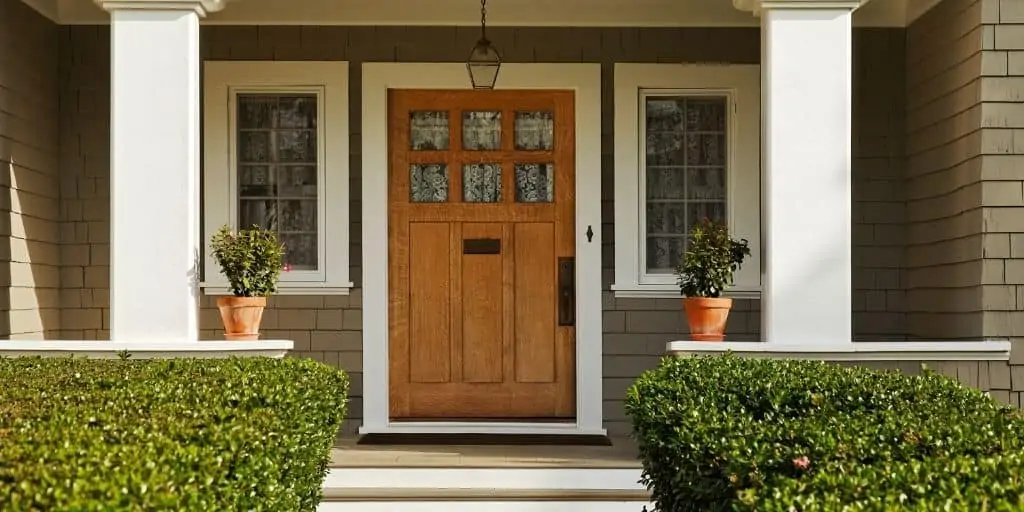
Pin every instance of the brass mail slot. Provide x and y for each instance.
(481, 246)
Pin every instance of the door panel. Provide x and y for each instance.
(481, 210)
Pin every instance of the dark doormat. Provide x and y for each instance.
(485, 439)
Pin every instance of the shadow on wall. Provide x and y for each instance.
(29, 148)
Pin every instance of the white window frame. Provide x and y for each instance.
(633, 84)
(223, 81)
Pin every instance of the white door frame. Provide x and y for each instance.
(585, 80)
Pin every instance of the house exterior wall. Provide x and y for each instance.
(965, 107)
(329, 328)
(29, 190)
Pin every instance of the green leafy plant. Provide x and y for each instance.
(250, 259)
(162, 435)
(711, 259)
(727, 433)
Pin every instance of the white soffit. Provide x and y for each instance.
(538, 13)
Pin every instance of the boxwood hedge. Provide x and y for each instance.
(248, 434)
(728, 433)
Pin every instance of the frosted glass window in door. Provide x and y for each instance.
(481, 183)
(534, 131)
(535, 183)
(428, 183)
(481, 130)
(277, 168)
(685, 142)
(429, 130)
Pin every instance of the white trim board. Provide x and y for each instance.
(856, 351)
(585, 80)
(142, 349)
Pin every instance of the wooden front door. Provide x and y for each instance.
(481, 252)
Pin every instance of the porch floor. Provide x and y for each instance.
(621, 454)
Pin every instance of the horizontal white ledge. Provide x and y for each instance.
(858, 350)
(498, 504)
(432, 427)
(485, 478)
(102, 349)
(672, 292)
(216, 289)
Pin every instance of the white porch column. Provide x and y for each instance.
(806, 196)
(154, 174)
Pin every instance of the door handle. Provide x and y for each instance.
(566, 291)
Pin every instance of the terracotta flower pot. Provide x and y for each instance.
(241, 317)
(707, 317)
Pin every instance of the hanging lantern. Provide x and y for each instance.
(484, 61)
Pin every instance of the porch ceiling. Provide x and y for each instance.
(578, 13)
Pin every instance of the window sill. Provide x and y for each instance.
(856, 351)
(286, 289)
(661, 291)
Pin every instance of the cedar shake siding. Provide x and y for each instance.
(30, 254)
(329, 328)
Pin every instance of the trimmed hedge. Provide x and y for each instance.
(730, 433)
(248, 434)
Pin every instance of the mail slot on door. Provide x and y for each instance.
(481, 246)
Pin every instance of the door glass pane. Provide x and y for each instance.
(481, 183)
(428, 130)
(535, 183)
(686, 165)
(428, 183)
(481, 130)
(278, 166)
(535, 131)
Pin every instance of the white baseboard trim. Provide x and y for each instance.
(101, 349)
(855, 351)
(431, 427)
(551, 479)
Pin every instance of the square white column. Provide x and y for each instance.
(806, 195)
(154, 175)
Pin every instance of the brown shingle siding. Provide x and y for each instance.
(29, 190)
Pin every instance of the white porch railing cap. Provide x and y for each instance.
(756, 6)
(202, 7)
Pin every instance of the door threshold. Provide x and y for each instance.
(486, 428)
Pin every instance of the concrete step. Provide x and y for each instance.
(490, 489)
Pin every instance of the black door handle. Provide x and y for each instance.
(566, 291)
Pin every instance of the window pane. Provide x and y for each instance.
(428, 183)
(535, 183)
(535, 131)
(481, 183)
(481, 131)
(278, 165)
(428, 130)
(685, 151)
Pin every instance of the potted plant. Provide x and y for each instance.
(251, 261)
(705, 271)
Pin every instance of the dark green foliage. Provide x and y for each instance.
(710, 261)
(251, 260)
(250, 434)
(768, 435)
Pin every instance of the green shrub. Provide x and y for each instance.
(249, 434)
(251, 260)
(730, 433)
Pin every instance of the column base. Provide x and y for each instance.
(141, 349)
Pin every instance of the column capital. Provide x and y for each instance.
(201, 7)
(756, 6)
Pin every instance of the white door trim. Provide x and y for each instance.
(585, 80)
